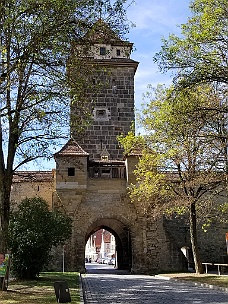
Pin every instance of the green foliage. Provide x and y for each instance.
(224, 208)
(186, 127)
(185, 162)
(151, 187)
(200, 54)
(40, 290)
(33, 231)
(189, 127)
(37, 39)
(206, 225)
(132, 143)
(184, 155)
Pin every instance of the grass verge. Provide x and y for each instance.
(210, 279)
(41, 290)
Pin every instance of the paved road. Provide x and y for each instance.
(104, 285)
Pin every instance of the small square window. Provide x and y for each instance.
(117, 52)
(102, 50)
(71, 171)
(101, 113)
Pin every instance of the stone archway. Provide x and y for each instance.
(123, 239)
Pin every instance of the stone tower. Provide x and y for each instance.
(111, 99)
(91, 176)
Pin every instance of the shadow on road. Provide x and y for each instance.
(94, 268)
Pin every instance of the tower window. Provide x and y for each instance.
(71, 171)
(102, 50)
(101, 113)
(118, 52)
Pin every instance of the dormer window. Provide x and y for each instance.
(104, 154)
(102, 50)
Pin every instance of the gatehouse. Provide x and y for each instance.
(92, 175)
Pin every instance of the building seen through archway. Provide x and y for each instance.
(101, 247)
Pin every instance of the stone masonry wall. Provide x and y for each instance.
(22, 190)
(104, 201)
(155, 244)
(113, 112)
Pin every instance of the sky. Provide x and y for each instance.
(153, 20)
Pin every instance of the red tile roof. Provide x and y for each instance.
(33, 176)
(71, 148)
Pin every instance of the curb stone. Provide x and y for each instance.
(193, 283)
(81, 290)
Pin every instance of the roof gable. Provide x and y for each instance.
(101, 32)
(71, 148)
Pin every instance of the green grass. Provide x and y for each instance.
(211, 279)
(41, 290)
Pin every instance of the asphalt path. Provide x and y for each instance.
(104, 284)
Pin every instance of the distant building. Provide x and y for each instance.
(101, 244)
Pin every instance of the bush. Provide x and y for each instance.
(33, 230)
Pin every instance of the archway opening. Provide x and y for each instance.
(120, 238)
(101, 248)
(189, 257)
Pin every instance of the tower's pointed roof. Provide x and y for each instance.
(101, 32)
(71, 148)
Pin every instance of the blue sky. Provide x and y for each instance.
(154, 19)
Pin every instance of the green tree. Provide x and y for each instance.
(33, 231)
(183, 166)
(200, 54)
(35, 44)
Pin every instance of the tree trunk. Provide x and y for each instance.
(4, 213)
(4, 221)
(194, 242)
